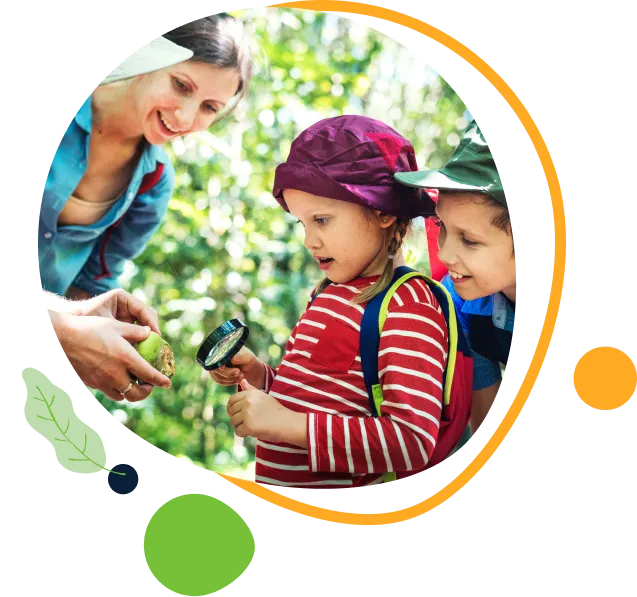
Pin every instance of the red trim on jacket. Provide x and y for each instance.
(148, 182)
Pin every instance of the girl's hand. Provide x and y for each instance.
(246, 366)
(253, 413)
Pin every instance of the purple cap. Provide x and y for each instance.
(353, 158)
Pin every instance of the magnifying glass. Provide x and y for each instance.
(219, 347)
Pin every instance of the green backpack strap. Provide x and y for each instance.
(452, 326)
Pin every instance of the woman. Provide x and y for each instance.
(110, 181)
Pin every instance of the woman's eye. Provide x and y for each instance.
(210, 108)
(180, 85)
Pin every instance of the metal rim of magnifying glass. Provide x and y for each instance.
(219, 334)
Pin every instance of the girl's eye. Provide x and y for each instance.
(468, 242)
(321, 221)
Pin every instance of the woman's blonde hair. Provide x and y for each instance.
(394, 239)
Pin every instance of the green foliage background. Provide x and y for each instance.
(226, 249)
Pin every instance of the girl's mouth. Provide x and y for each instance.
(324, 262)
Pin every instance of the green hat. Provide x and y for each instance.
(471, 168)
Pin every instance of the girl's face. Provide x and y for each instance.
(478, 254)
(182, 99)
(346, 241)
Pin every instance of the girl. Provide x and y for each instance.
(110, 181)
(311, 415)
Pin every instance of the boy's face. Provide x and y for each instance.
(345, 241)
(478, 254)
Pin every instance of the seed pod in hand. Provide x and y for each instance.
(158, 353)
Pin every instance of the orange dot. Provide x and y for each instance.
(605, 378)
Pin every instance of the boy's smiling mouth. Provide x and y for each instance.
(457, 278)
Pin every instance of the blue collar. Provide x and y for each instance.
(497, 306)
(479, 306)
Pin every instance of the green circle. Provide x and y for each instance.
(196, 545)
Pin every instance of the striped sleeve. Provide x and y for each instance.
(412, 356)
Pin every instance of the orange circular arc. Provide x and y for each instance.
(539, 353)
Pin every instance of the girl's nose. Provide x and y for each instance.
(312, 241)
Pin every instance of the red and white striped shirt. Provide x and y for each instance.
(321, 375)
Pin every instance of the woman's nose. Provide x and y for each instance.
(185, 115)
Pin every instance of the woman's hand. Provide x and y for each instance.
(100, 351)
(117, 304)
(96, 336)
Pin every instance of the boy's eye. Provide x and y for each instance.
(468, 242)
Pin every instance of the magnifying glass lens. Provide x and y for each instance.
(223, 347)
(219, 348)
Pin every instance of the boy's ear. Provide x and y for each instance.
(384, 220)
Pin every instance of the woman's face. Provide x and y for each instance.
(182, 99)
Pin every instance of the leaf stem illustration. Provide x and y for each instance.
(66, 437)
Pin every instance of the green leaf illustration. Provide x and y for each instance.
(50, 412)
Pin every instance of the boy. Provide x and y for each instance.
(476, 246)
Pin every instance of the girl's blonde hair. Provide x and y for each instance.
(396, 234)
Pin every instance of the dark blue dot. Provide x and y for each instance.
(123, 484)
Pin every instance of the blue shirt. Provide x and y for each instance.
(86, 256)
(485, 371)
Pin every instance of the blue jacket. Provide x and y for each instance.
(93, 257)
(495, 316)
